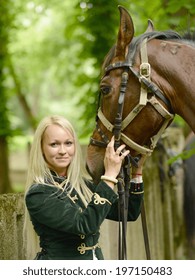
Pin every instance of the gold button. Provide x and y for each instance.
(82, 236)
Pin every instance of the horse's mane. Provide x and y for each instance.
(188, 38)
(161, 35)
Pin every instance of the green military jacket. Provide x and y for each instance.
(67, 229)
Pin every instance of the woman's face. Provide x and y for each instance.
(58, 148)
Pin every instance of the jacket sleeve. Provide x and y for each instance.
(136, 194)
(60, 212)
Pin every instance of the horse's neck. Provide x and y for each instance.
(175, 68)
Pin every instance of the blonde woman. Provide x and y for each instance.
(64, 208)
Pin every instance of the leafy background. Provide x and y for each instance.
(50, 58)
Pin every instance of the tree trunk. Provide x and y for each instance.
(21, 97)
(5, 185)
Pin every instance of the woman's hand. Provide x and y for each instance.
(137, 171)
(113, 160)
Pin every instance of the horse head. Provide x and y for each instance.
(131, 106)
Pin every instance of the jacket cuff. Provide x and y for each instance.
(105, 191)
(136, 188)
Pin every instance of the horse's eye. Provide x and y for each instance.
(105, 90)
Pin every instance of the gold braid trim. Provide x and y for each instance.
(100, 200)
(82, 248)
(137, 192)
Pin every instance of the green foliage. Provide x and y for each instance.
(57, 48)
(4, 38)
(184, 155)
(99, 21)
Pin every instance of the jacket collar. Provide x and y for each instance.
(58, 179)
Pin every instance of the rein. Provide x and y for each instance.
(123, 177)
(117, 130)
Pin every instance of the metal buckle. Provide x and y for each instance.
(145, 69)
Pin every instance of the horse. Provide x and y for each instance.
(146, 80)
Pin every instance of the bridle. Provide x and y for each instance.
(117, 130)
(146, 86)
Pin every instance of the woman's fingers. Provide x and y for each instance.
(120, 151)
(113, 159)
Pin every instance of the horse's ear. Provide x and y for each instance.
(125, 33)
(150, 27)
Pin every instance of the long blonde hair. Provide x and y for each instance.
(38, 171)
